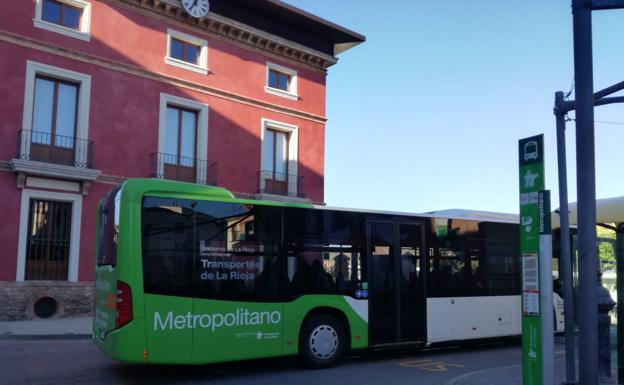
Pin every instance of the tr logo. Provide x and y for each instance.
(529, 179)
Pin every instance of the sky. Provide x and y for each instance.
(427, 113)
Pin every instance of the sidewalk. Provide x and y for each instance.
(512, 374)
(61, 328)
(508, 375)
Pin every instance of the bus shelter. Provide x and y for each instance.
(609, 215)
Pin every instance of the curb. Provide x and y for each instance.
(35, 337)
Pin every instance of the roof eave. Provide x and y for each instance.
(351, 37)
(342, 47)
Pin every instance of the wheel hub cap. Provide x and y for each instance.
(323, 341)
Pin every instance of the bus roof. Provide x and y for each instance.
(474, 215)
(608, 210)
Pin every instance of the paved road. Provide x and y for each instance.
(78, 362)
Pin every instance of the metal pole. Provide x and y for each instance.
(619, 263)
(546, 288)
(565, 259)
(586, 192)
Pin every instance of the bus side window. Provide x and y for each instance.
(167, 232)
(237, 252)
(449, 273)
(323, 252)
(503, 274)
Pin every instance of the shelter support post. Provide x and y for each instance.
(619, 260)
(565, 259)
(586, 192)
(592, 297)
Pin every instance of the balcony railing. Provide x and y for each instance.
(193, 170)
(281, 184)
(48, 148)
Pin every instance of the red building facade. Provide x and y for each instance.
(95, 92)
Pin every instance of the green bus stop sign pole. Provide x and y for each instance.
(531, 155)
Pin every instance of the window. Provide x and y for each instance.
(501, 267)
(186, 51)
(168, 239)
(281, 81)
(54, 120)
(213, 250)
(324, 252)
(56, 116)
(62, 14)
(279, 159)
(474, 259)
(238, 251)
(48, 240)
(276, 166)
(182, 139)
(67, 17)
(49, 236)
(109, 228)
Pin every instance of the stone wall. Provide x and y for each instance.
(17, 299)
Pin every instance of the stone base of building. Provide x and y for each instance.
(44, 299)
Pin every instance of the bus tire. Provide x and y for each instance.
(322, 342)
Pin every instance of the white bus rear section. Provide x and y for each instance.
(466, 318)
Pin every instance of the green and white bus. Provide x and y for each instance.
(189, 274)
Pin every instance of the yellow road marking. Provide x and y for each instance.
(430, 365)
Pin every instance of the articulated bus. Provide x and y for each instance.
(189, 274)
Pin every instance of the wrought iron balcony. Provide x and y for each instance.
(281, 184)
(48, 148)
(193, 170)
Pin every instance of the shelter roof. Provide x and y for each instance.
(608, 210)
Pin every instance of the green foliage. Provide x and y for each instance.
(606, 247)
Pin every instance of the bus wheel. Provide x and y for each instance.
(322, 342)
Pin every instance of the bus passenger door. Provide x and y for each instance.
(397, 302)
(413, 301)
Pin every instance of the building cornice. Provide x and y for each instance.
(222, 27)
(5, 166)
(27, 42)
(53, 170)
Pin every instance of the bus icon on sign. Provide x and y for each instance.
(530, 150)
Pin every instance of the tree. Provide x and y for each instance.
(606, 247)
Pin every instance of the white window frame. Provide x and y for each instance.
(201, 150)
(74, 245)
(202, 67)
(84, 33)
(292, 92)
(82, 118)
(293, 146)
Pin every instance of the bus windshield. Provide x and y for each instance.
(109, 230)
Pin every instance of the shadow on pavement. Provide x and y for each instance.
(288, 368)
